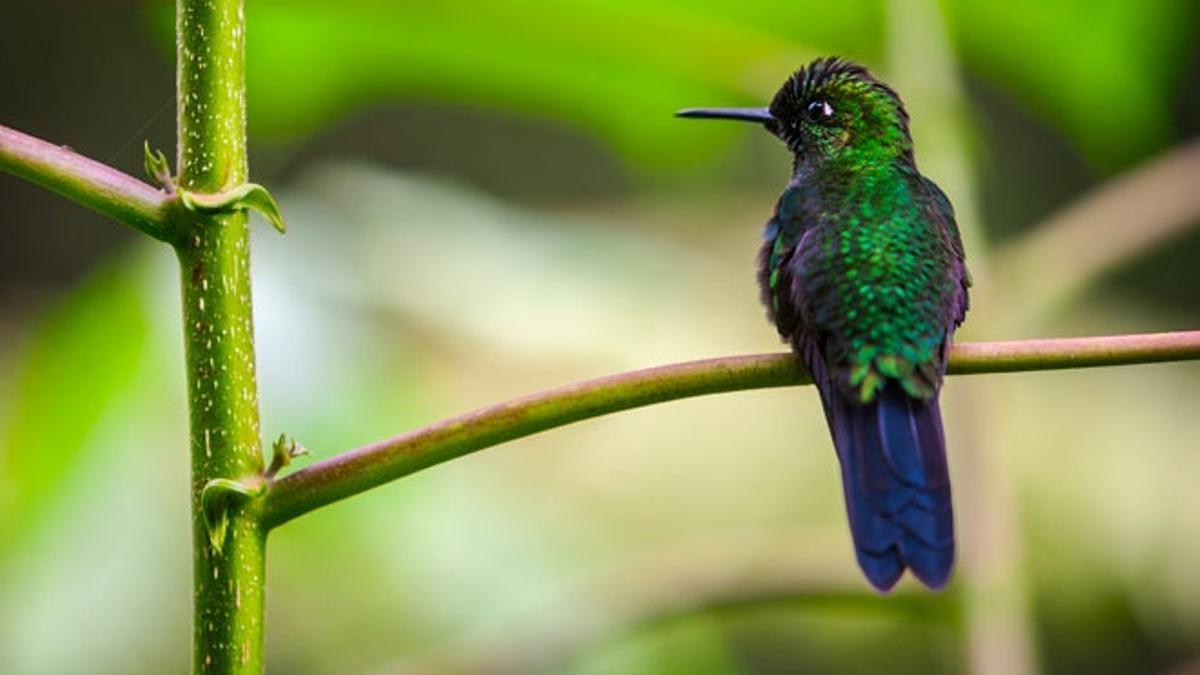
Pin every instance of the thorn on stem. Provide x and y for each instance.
(157, 168)
(283, 451)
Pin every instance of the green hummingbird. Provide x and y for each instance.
(862, 271)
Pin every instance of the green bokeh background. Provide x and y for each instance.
(486, 199)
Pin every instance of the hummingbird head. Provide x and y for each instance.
(829, 112)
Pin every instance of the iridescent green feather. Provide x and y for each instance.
(879, 261)
(874, 276)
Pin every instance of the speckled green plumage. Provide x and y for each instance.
(874, 271)
(862, 252)
(862, 272)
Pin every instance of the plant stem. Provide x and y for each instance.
(214, 260)
(370, 466)
(99, 187)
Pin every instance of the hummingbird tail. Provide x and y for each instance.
(897, 486)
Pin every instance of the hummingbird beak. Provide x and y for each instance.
(760, 115)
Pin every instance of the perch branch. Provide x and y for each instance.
(370, 466)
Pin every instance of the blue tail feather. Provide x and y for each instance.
(896, 484)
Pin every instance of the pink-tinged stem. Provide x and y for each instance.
(372, 465)
(97, 186)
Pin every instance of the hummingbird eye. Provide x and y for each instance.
(820, 111)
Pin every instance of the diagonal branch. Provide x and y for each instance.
(97, 186)
(373, 465)
(1123, 219)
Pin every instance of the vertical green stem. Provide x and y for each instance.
(214, 259)
(996, 607)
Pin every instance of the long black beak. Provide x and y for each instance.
(761, 115)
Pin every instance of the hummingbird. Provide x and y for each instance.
(862, 271)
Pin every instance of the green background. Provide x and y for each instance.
(486, 199)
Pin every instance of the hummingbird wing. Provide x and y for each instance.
(795, 215)
(943, 211)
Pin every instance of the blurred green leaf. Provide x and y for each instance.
(85, 353)
(1103, 72)
(617, 69)
(696, 644)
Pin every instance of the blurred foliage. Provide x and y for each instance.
(1104, 72)
(618, 68)
(83, 356)
(396, 299)
(357, 342)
